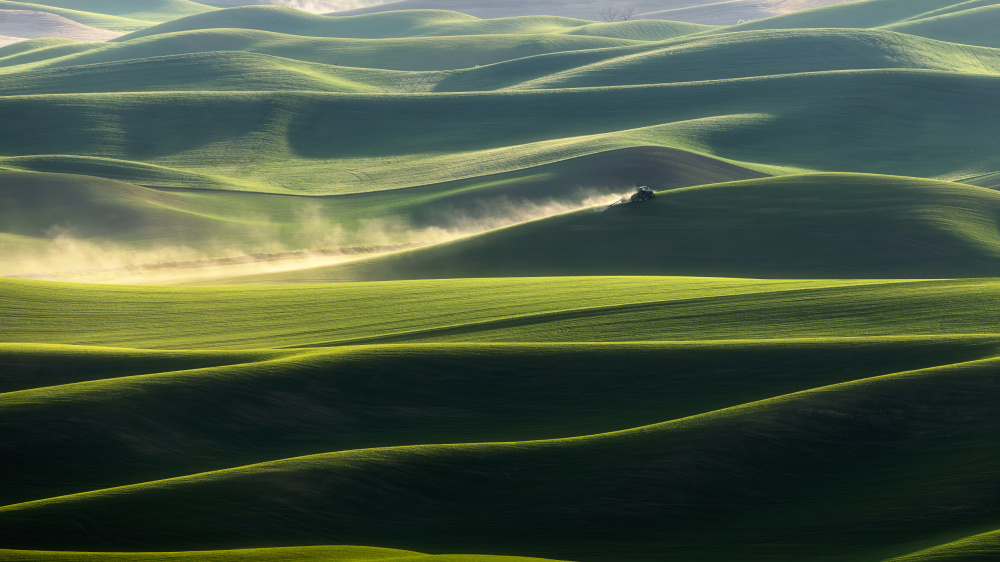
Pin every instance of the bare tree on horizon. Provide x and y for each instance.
(616, 11)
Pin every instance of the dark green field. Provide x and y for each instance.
(284, 286)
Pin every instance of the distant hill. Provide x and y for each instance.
(969, 22)
(113, 15)
(409, 23)
(696, 11)
(30, 24)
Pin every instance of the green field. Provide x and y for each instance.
(284, 286)
(186, 445)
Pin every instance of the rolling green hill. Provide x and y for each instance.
(620, 309)
(862, 14)
(763, 53)
(811, 422)
(115, 15)
(410, 53)
(571, 61)
(227, 71)
(967, 22)
(56, 221)
(317, 143)
(412, 23)
(152, 10)
(858, 443)
(971, 26)
(35, 50)
(829, 226)
(275, 406)
(103, 21)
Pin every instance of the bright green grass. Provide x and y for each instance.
(527, 309)
(900, 460)
(985, 546)
(412, 23)
(275, 406)
(830, 225)
(292, 554)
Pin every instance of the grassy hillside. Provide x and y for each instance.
(58, 222)
(773, 101)
(114, 15)
(410, 53)
(190, 418)
(330, 143)
(198, 72)
(856, 444)
(34, 50)
(763, 53)
(700, 11)
(972, 26)
(978, 547)
(103, 21)
(411, 23)
(827, 397)
(861, 14)
(152, 10)
(969, 22)
(573, 62)
(589, 61)
(837, 225)
(521, 310)
(285, 403)
(991, 181)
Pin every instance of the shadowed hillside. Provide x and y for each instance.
(271, 405)
(865, 440)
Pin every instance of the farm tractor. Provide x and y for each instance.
(641, 194)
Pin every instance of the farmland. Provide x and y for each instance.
(290, 285)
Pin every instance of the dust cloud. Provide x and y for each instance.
(310, 240)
